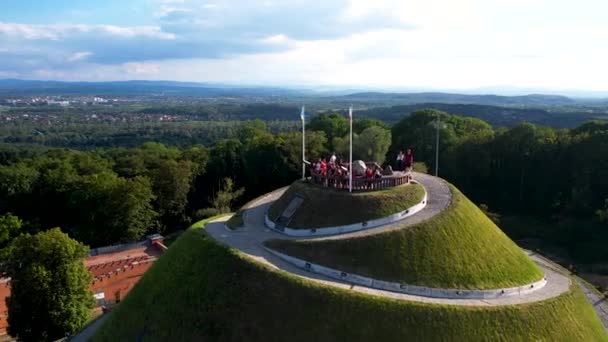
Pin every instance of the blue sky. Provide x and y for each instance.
(117, 12)
(431, 44)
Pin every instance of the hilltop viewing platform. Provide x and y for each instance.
(361, 183)
(366, 176)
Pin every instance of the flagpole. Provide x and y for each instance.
(303, 144)
(350, 174)
(437, 148)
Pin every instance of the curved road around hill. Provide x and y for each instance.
(250, 239)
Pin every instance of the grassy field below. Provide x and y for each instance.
(324, 207)
(458, 248)
(202, 291)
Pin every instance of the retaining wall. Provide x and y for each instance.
(308, 232)
(117, 248)
(406, 288)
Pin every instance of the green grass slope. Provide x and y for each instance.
(459, 248)
(330, 207)
(201, 291)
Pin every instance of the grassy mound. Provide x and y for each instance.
(201, 291)
(338, 207)
(458, 248)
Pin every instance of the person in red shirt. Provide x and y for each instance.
(409, 160)
(338, 177)
(369, 175)
(323, 168)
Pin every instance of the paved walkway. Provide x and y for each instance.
(438, 198)
(251, 237)
(599, 302)
(596, 299)
(89, 331)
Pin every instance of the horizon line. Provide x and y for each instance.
(506, 91)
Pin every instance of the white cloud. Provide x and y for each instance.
(279, 39)
(136, 31)
(79, 56)
(63, 31)
(432, 43)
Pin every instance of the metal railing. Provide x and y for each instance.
(360, 183)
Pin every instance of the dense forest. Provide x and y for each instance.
(184, 121)
(547, 184)
(108, 196)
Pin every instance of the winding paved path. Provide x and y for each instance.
(249, 240)
(599, 302)
(438, 198)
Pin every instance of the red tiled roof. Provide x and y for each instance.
(112, 266)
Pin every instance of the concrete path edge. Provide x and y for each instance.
(432, 292)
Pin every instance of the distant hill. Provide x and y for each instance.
(277, 103)
(173, 88)
(497, 116)
(167, 88)
(432, 97)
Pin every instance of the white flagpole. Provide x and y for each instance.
(350, 174)
(303, 144)
(437, 148)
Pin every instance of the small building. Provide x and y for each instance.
(115, 271)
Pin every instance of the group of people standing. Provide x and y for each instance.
(405, 161)
(332, 168)
(331, 172)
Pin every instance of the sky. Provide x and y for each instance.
(405, 44)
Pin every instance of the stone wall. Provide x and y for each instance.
(406, 288)
(320, 231)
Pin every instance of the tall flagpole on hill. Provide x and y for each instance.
(350, 173)
(437, 148)
(303, 144)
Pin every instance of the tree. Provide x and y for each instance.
(291, 148)
(106, 209)
(418, 131)
(16, 179)
(359, 125)
(131, 214)
(342, 146)
(224, 161)
(10, 225)
(171, 172)
(334, 126)
(50, 293)
(372, 144)
(171, 182)
(222, 202)
(265, 165)
(252, 130)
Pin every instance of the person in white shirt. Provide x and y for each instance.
(332, 159)
(400, 161)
